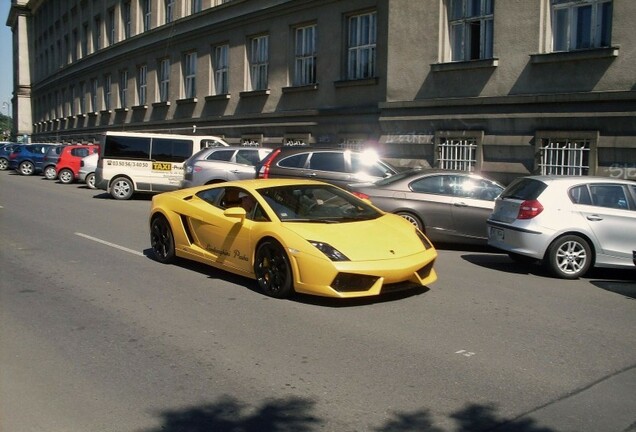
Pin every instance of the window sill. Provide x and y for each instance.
(139, 107)
(465, 65)
(80, 116)
(254, 93)
(106, 111)
(565, 56)
(121, 110)
(356, 82)
(161, 104)
(224, 96)
(187, 101)
(299, 89)
(93, 114)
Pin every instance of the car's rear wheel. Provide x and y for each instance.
(26, 168)
(162, 240)
(122, 188)
(66, 176)
(417, 223)
(49, 172)
(273, 271)
(90, 181)
(569, 257)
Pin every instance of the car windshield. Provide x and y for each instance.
(317, 203)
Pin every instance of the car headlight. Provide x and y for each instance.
(332, 253)
(427, 244)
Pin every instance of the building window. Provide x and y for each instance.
(146, 8)
(471, 29)
(221, 68)
(94, 95)
(97, 34)
(361, 46)
(195, 6)
(72, 101)
(305, 56)
(82, 98)
(85, 39)
(581, 24)
(107, 95)
(564, 156)
(126, 18)
(168, 6)
(123, 88)
(111, 27)
(75, 47)
(164, 80)
(258, 57)
(189, 75)
(142, 74)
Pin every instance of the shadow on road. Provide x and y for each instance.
(295, 414)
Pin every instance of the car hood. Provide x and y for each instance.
(387, 237)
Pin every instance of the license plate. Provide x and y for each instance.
(496, 234)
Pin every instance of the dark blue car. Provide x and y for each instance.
(27, 159)
(5, 151)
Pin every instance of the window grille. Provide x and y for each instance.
(457, 154)
(564, 157)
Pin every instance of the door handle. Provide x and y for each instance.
(594, 218)
(460, 204)
(311, 174)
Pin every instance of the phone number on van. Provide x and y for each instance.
(128, 163)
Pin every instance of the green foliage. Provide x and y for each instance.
(6, 127)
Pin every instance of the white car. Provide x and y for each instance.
(569, 223)
(87, 170)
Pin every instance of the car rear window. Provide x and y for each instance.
(524, 189)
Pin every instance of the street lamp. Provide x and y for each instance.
(8, 108)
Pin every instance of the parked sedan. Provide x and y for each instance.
(331, 165)
(448, 206)
(569, 223)
(218, 164)
(5, 150)
(28, 159)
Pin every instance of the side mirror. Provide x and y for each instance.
(235, 212)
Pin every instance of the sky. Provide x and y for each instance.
(6, 59)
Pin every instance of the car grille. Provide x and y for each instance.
(425, 271)
(399, 286)
(348, 282)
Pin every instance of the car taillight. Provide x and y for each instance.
(263, 172)
(361, 195)
(529, 209)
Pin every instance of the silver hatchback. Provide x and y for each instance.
(219, 164)
(568, 223)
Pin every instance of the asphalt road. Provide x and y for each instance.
(96, 336)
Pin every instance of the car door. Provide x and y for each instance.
(473, 202)
(432, 199)
(243, 165)
(612, 219)
(226, 239)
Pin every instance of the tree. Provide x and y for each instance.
(6, 127)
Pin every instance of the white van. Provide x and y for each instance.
(132, 162)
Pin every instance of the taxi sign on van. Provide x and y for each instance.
(162, 166)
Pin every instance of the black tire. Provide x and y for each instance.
(90, 181)
(162, 240)
(521, 259)
(417, 223)
(26, 168)
(273, 271)
(4, 164)
(66, 176)
(49, 172)
(122, 188)
(569, 257)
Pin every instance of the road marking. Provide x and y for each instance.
(465, 353)
(125, 249)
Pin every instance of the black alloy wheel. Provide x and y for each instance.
(273, 271)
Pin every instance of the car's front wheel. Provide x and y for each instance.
(26, 168)
(122, 188)
(162, 240)
(273, 271)
(66, 176)
(49, 172)
(90, 181)
(569, 257)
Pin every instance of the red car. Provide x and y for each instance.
(67, 167)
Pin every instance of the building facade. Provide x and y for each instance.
(504, 87)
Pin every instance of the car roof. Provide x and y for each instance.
(578, 179)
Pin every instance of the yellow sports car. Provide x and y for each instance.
(292, 236)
